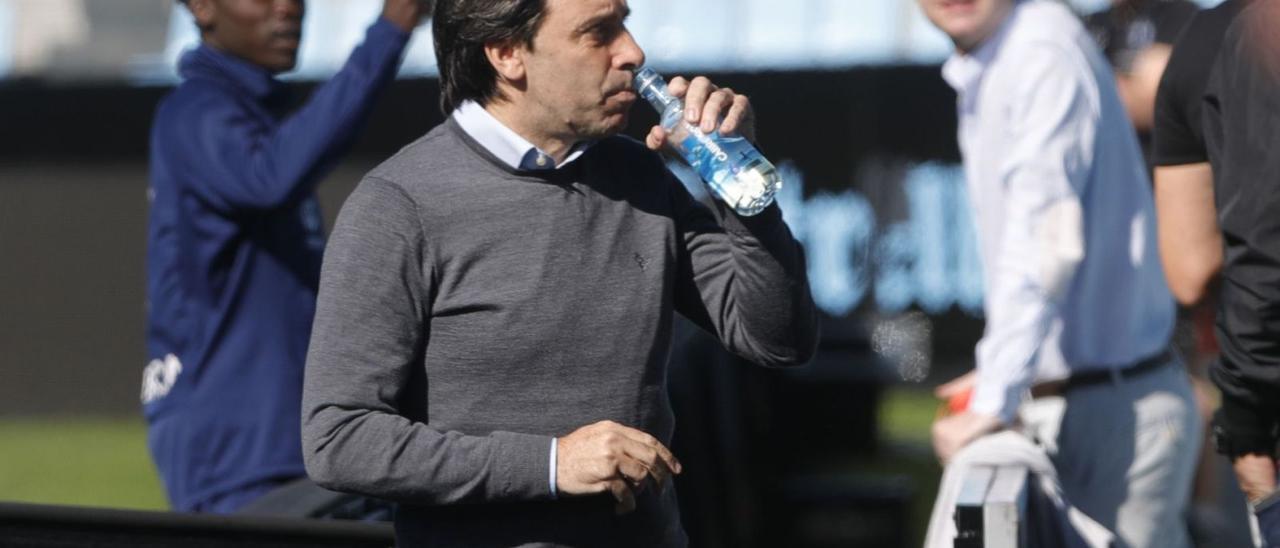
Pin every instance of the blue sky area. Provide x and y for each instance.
(683, 34)
(676, 34)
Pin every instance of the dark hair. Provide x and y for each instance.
(462, 28)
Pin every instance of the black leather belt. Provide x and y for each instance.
(1098, 376)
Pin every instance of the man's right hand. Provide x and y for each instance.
(406, 14)
(1257, 475)
(607, 456)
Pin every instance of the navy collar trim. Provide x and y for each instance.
(210, 63)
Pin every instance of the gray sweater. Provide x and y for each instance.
(469, 312)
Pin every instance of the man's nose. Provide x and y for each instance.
(629, 55)
(289, 8)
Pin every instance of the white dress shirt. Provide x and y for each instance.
(506, 144)
(1063, 206)
(519, 153)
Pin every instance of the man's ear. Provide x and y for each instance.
(507, 59)
(204, 12)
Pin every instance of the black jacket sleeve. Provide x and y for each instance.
(1242, 131)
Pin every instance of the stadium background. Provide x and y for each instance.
(851, 106)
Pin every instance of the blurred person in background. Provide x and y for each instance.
(1076, 346)
(235, 240)
(495, 315)
(1136, 37)
(1241, 117)
(1190, 241)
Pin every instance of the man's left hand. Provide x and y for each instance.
(710, 108)
(406, 14)
(953, 432)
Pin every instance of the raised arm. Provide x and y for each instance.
(744, 280)
(256, 166)
(741, 278)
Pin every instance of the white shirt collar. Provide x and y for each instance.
(514, 150)
(963, 71)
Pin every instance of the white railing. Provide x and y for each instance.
(991, 510)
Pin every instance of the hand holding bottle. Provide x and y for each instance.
(710, 108)
(711, 128)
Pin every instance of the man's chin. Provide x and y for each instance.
(609, 127)
(618, 126)
(282, 63)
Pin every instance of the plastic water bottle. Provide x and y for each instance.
(731, 166)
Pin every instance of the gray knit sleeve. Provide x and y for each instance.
(744, 280)
(370, 331)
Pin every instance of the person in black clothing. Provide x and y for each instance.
(1241, 120)
(1190, 243)
(1189, 239)
(1136, 37)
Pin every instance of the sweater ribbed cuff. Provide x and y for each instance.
(521, 468)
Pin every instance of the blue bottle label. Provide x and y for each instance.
(714, 156)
